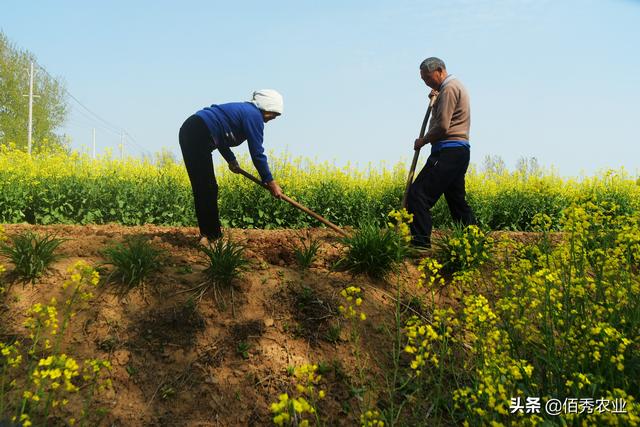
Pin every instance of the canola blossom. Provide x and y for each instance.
(546, 318)
(57, 187)
(40, 380)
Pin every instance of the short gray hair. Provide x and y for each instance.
(432, 64)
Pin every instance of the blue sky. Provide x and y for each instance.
(555, 80)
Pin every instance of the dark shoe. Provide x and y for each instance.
(420, 244)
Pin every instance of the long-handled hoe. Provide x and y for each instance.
(202, 286)
(416, 154)
(298, 205)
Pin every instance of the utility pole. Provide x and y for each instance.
(31, 96)
(94, 144)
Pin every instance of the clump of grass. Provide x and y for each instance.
(463, 249)
(225, 261)
(31, 254)
(333, 333)
(133, 261)
(373, 251)
(306, 251)
(306, 297)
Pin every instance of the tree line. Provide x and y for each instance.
(50, 109)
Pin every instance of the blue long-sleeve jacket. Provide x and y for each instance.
(233, 123)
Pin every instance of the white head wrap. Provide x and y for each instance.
(268, 100)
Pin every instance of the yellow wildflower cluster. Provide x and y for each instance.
(293, 410)
(42, 323)
(371, 419)
(289, 411)
(430, 277)
(56, 370)
(25, 420)
(568, 307)
(93, 372)
(307, 379)
(428, 343)
(52, 377)
(82, 279)
(498, 375)
(401, 220)
(353, 298)
(10, 355)
(467, 248)
(420, 341)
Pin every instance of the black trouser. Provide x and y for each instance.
(197, 145)
(442, 174)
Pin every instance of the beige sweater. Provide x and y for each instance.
(450, 115)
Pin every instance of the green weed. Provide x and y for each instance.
(306, 251)
(31, 254)
(224, 260)
(133, 261)
(373, 251)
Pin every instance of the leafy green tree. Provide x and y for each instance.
(49, 109)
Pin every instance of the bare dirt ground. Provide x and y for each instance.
(221, 360)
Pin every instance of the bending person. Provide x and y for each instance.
(220, 127)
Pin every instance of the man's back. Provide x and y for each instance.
(451, 114)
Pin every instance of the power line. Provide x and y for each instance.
(109, 126)
(90, 121)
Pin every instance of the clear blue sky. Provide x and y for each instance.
(555, 80)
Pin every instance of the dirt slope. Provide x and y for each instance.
(223, 359)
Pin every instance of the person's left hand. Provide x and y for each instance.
(275, 189)
(419, 143)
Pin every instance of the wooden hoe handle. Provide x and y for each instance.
(416, 154)
(297, 205)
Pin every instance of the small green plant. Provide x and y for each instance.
(373, 251)
(167, 391)
(305, 297)
(225, 261)
(243, 349)
(464, 249)
(324, 368)
(333, 333)
(306, 251)
(134, 261)
(31, 254)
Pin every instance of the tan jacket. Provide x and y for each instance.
(450, 115)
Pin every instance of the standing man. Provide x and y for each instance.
(220, 127)
(447, 165)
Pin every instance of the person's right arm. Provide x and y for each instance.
(441, 119)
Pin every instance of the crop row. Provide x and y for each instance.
(61, 188)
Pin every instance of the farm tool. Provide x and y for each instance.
(416, 153)
(297, 205)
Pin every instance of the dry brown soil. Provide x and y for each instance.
(219, 361)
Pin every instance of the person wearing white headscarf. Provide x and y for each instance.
(220, 127)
